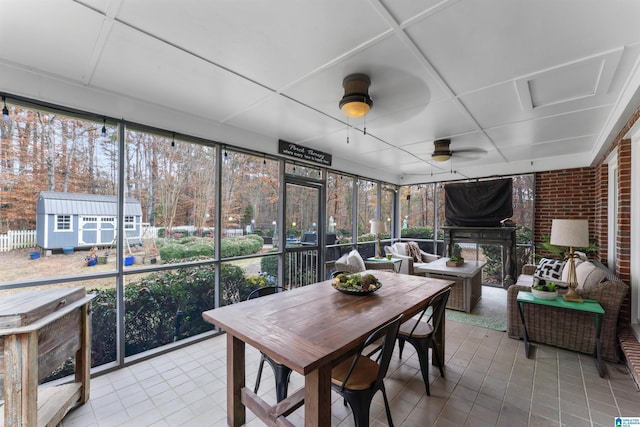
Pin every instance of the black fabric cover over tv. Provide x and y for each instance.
(478, 204)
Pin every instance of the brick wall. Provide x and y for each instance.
(583, 194)
(566, 193)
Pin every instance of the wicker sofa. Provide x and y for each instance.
(568, 329)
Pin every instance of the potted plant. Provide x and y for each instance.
(544, 290)
(456, 259)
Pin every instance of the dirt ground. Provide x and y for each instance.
(17, 266)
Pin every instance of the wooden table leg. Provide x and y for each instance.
(317, 398)
(236, 411)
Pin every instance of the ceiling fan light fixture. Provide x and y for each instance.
(440, 157)
(441, 152)
(356, 101)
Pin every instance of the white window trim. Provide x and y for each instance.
(130, 225)
(59, 230)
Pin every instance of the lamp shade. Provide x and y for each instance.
(570, 232)
(377, 226)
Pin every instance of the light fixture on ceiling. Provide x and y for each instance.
(103, 132)
(356, 101)
(5, 110)
(441, 151)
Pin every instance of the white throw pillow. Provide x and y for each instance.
(565, 270)
(588, 275)
(343, 260)
(550, 269)
(400, 248)
(355, 260)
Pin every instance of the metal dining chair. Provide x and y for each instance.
(359, 378)
(281, 373)
(420, 334)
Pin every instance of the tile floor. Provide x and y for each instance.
(488, 382)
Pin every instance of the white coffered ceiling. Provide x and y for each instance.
(534, 85)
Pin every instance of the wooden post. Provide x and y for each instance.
(21, 379)
(83, 355)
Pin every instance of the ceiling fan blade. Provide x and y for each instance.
(469, 150)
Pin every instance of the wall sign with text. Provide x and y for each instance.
(303, 153)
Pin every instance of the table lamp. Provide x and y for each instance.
(377, 227)
(573, 233)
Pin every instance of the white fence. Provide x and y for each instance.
(27, 238)
(17, 240)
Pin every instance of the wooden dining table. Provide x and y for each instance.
(310, 329)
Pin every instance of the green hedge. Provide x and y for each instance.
(417, 232)
(188, 248)
(162, 307)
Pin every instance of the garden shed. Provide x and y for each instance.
(76, 220)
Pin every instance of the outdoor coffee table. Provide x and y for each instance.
(467, 290)
(588, 306)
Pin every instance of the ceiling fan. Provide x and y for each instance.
(442, 151)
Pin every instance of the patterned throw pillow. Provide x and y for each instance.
(550, 269)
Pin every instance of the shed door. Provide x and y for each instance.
(96, 230)
(107, 230)
(88, 230)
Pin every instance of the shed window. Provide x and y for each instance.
(63, 223)
(129, 223)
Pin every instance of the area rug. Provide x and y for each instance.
(490, 312)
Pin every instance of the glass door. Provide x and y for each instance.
(304, 233)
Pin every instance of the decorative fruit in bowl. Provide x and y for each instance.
(356, 283)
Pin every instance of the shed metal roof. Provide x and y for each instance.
(54, 202)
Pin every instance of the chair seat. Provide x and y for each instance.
(423, 329)
(362, 377)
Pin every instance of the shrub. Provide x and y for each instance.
(172, 252)
(269, 264)
(161, 308)
(198, 250)
(240, 246)
(187, 248)
(417, 232)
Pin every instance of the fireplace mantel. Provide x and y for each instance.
(504, 236)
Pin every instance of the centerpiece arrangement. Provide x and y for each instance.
(544, 290)
(456, 259)
(356, 284)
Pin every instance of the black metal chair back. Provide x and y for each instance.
(420, 334)
(281, 373)
(357, 380)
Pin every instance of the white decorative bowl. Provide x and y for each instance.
(544, 294)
